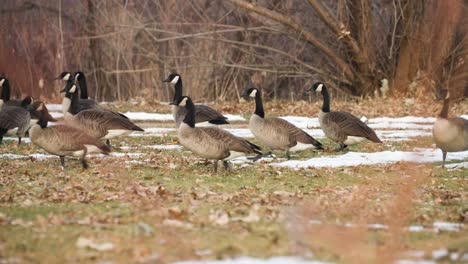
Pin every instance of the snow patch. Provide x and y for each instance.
(364, 158)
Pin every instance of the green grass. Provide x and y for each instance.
(43, 210)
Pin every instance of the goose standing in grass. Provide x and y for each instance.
(14, 120)
(99, 123)
(5, 94)
(276, 133)
(342, 127)
(83, 102)
(450, 134)
(211, 142)
(203, 113)
(62, 140)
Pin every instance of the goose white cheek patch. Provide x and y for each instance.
(253, 93)
(73, 89)
(1, 82)
(175, 80)
(183, 102)
(66, 77)
(319, 88)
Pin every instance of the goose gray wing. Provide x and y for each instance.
(232, 142)
(295, 134)
(106, 119)
(13, 102)
(13, 117)
(205, 113)
(352, 126)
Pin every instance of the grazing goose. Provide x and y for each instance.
(83, 102)
(450, 134)
(99, 123)
(62, 140)
(276, 133)
(203, 113)
(342, 127)
(211, 142)
(15, 120)
(5, 95)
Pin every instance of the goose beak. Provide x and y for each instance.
(49, 118)
(173, 103)
(57, 78)
(167, 80)
(63, 90)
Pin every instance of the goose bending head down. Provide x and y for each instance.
(211, 142)
(62, 140)
(203, 113)
(450, 134)
(15, 120)
(342, 127)
(276, 133)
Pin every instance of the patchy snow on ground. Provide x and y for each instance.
(54, 107)
(162, 147)
(148, 116)
(456, 166)
(364, 158)
(250, 260)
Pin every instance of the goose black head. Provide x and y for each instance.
(3, 80)
(64, 76)
(27, 101)
(78, 75)
(317, 87)
(181, 101)
(39, 112)
(250, 92)
(172, 78)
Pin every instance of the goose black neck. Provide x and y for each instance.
(189, 118)
(5, 96)
(74, 103)
(445, 109)
(42, 123)
(259, 105)
(178, 90)
(326, 100)
(83, 86)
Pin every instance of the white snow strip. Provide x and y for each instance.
(457, 166)
(444, 226)
(163, 147)
(56, 114)
(232, 118)
(399, 126)
(41, 156)
(363, 158)
(250, 260)
(54, 107)
(149, 116)
(23, 140)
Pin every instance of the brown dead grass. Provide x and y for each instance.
(387, 201)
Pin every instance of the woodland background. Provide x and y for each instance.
(127, 47)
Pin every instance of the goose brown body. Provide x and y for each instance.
(450, 134)
(61, 139)
(276, 133)
(14, 121)
(98, 123)
(342, 127)
(211, 142)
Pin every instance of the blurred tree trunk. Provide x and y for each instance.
(96, 59)
(431, 34)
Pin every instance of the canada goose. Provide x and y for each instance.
(5, 94)
(450, 134)
(62, 140)
(203, 113)
(83, 102)
(210, 142)
(99, 123)
(276, 133)
(15, 120)
(342, 127)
